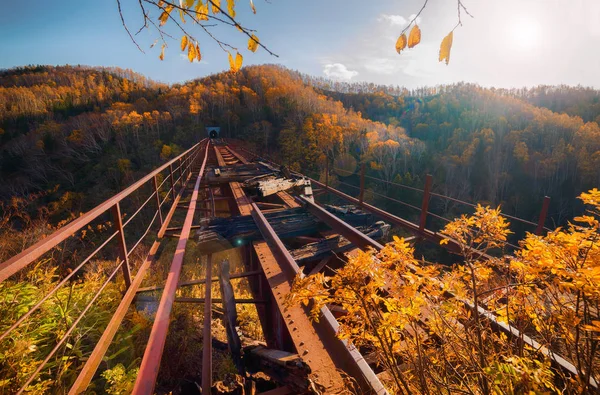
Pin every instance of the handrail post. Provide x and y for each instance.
(155, 184)
(326, 172)
(116, 213)
(425, 205)
(180, 172)
(543, 215)
(362, 184)
(172, 181)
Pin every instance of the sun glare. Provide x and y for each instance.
(524, 32)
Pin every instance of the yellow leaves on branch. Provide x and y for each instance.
(236, 65)
(445, 48)
(253, 43)
(216, 5)
(401, 43)
(231, 8)
(184, 42)
(414, 37)
(164, 17)
(198, 54)
(191, 52)
(202, 11)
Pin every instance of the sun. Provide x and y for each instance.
(524, 32)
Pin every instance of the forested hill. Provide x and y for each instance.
(93, 131)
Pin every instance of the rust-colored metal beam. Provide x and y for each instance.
(19, 261)
(91, 366)
(425, 204)
(206, 330)
(345, 356)
(202, 281)
(148, 373)
(543, 215)
(157, 196)
(118, 225)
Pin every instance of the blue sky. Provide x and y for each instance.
(508, 43)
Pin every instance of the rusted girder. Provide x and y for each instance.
(345, 356)
(89, 369)
(148, 373)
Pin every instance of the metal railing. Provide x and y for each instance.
(175, 172)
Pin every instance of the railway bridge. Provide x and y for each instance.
(217, 196)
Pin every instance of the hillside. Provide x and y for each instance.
(93, 131)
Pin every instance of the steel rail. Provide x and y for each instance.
(138, 210)
(398, 201)
(150, 365)
(286, 262)
(363, 241)
(144, 235)
(29, 255)
(91, 366)
(71, 329)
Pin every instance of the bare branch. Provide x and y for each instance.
(126, 28)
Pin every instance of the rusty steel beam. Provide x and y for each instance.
(425, 204)
(21, 260)
(203, 301)
(91, 365)
(543, 215)
(353, 361)
(156, 190)
(202, 281)
(206, 330)
(148, 373)
(363, 241)
(116, 214)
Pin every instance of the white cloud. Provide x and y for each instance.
(381, 65)
(339, 72)
(396, 20)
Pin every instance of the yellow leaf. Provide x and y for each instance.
(252, 6)
(253, 43)
(202, 11)
(191, 52)
(414, 37)
(163, 18)
(184, 42)
(216, 4)
(189, 3)
(445, 48)
(162, 53)
(231, 8)
(198, 55)
(238, 61)
(182, 16)
(231, 63)
(401, 43)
